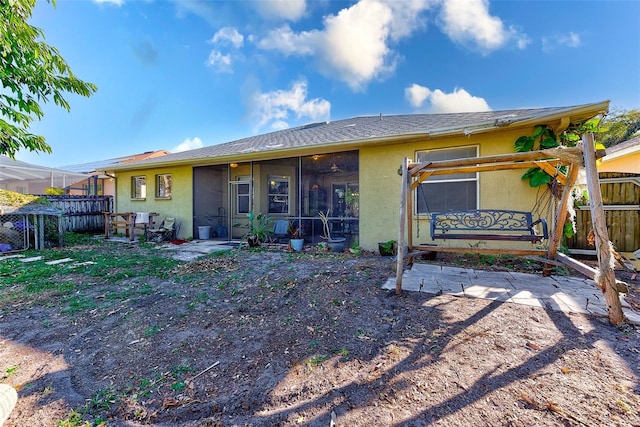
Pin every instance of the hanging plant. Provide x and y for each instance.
(541, 139)
(544, 138)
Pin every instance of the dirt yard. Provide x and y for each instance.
(124, 336)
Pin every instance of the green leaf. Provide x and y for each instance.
(539, 178)
(529, 173)
(524, 143)
(568, 230)
(538, 130)
(31, 72)
(548, 143)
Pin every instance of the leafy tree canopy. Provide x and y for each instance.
(619, 126)
(31, 72)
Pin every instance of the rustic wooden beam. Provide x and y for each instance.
(564, 154)
(552, 171)
(401, 229)
(587, 270)
(493, 167)
(606, 278)
(487, 251)
(557, 230)
(417, 167)
(409, 214)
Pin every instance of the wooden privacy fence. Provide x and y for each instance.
(621, 200)
(82, 213)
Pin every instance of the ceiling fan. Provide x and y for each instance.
(334, 169)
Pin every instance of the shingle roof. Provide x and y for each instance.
(369, 129)
(102, 165)
(633, 142)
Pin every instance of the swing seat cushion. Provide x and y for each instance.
(487, 224)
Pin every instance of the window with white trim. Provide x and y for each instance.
(139, 187)
(243, 195)
(441, 193)
(278, 194)
(163, 186)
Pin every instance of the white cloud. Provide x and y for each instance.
(203, 9)
(291, 10)
(354, 44)
(407, 16)
(283, 39)
(187, 144)
(113, 2)
(469, 23)
(416, 95)
(274, 109)
(219, 62)
(228, 35)
(570, 39)
(458, 101)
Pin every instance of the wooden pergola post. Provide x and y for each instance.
(561, 217)
(606, 278)
(401, 229)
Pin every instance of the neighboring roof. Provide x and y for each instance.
(623, 149)
(622, 158)
(360, 131)
(15, 170)
(102, 165)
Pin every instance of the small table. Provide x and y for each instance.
(126, 220)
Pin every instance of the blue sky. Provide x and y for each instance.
(187, 73)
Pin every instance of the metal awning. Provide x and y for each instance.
(15, 170)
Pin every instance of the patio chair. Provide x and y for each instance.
(166, 231)
(280, 231)
(143, 221)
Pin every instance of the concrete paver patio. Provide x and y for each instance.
(559, 293)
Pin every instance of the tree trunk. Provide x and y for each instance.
(606, 278)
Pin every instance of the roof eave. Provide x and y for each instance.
(563, 115)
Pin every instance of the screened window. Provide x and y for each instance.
(440, 193)
(163, 186)
(139, 187)
(243, 196)
(278, 194)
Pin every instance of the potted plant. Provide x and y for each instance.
(355, 249)
(295, 241)
(259, 228)
(388, 248)
(336, 244)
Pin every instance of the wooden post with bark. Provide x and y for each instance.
(561, 217)
(401, 229)
(606, 278)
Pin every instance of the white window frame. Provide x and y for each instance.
(143, 187)
(286, 197)
(242, 180)
(448, 178)
(160, 185)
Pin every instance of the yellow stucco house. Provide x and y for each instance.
(348, 168)
(623, 157)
